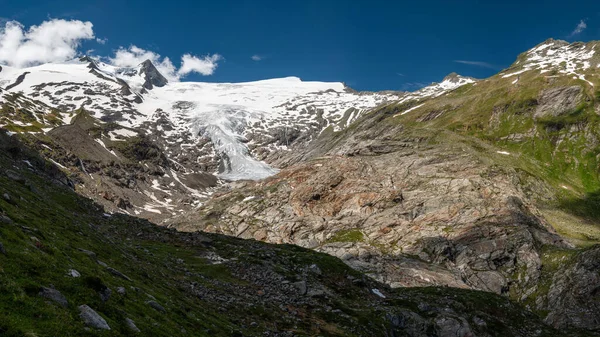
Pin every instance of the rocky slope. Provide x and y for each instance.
(488, 187)
(68, 268)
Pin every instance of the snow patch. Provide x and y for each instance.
(378, 293)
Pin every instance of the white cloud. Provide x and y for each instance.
(581, 26)
(477, 63)
(52, 41)
(256, 57)
(133, 56)
(58, 41)
(205, 66)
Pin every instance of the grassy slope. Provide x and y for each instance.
(562, 151)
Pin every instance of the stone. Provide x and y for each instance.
(105, 294)
(131, 325)
(5, 219)
(156, 306)
(2, 249)
(88, 253)
(92, 318)
(54, 295)
(313, 268)
(450, 326)
(118, 273)
(121, 290)
(558, 101)
(12, 175)
(73, 273)
(301, 287)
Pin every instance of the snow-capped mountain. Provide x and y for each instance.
(164, 144)
(554, 57)
(243, 121)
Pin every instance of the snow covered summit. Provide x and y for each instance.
(230, 128)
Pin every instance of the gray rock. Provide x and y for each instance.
(105, 294)
(131, 325)
(12, 175)
(573, 299)
(2, 249)
(88, 253)
(450, 326)
(313, 268)
(156, 306)
(121, 290)
(558, 101)
(152, 75)
(301, 287)
(7, 197)
(118, 273)
(92, 318)
(54, 295)
(73, 273)
(409, 323)
(5, 219)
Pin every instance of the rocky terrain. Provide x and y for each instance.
(68, 268)
(489, 186)
(448, 191)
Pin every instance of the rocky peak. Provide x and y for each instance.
(454, 78)
(568, 58)
(92, 64)
(152, 75)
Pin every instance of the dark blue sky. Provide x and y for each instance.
(371, 45)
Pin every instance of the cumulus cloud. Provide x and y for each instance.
(205, 65)
(58, 40)
(133, 56)
(581, 26)
(477, 64)
(256, 57)
(52, 41)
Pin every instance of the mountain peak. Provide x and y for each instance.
(152, 75)
(560, 56)
(452, 77)
(92, 64)
(456, 78)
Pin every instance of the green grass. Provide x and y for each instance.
(350, 235)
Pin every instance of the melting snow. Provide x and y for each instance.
(57, 164)
(409, 110)
(503, 152)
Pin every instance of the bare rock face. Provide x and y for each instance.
(558, 101)
(408, 213)
(574, 295)
(152, 75)
(411, 210)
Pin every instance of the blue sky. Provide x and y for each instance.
(370, 45)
